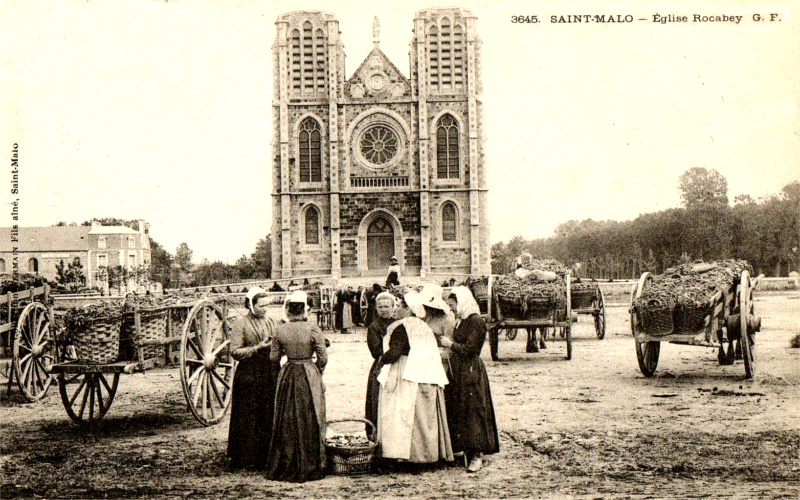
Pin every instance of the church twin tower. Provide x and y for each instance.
(378, 165)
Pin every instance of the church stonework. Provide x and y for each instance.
(378, 164)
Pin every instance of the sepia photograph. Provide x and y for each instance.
(433, 249)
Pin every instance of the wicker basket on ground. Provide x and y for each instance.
(352, 459)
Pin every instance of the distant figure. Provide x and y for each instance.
(394, 273)
(276, 287)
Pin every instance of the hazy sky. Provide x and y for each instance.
(162, 110)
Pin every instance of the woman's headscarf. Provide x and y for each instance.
(466, 305)
(387, 296)
(414, 302)
(251, 295)
(299, 297)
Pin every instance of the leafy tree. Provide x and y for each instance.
(699, 185)
(71, 274)
(160, 264)
(182, 265)
(262, 258)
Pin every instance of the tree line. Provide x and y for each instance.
(765, 232)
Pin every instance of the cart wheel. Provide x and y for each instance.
(600, 315)
(748, 349)
(34, 351)
(647, 356)
(646, 352)
(511, 333)
(206, 364)
(89, 402)
(494, 333)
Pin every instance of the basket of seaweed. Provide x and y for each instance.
(95, 331)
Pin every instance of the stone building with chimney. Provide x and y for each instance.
(378, 164)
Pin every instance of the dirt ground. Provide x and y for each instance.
(592, 427)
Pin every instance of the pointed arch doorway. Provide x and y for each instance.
(380, 244)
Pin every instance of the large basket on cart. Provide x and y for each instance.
(352, 460)
(152, 326)
(97, 340)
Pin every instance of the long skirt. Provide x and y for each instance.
(412, 420)
(297, 449)
(373, 392)
(470, 411)
(252, 405)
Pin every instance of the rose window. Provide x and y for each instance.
(379, 144)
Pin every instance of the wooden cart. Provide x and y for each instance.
(28, 341)
(206, 366)
(592, 304)
(555, 319)
(723, 324)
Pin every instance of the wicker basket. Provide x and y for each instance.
(511, 306)
(656, 318)
(690, 318)
(480, 289)
(153, 326)
(539, 307)
(355, 460)
(583, 298)
(99, 341)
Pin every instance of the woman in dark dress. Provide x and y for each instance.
(253, 397)
(297, 449)
(385, 306)
(468, 398)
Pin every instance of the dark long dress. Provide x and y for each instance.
(253, 397)
(297, 450)
(468, 398)
(375, 334)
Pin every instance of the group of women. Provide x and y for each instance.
(428, 392)
(278, 413)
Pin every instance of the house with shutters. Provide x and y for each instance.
(378, 164)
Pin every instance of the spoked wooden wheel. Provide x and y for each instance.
(647, 356)
(34, 351)
(87, 396)
(745, 340)
(600, 315)
(206, 363)
(646, 352)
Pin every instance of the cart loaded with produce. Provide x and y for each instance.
(536, 296)
(27, 335)
(113, 338)
(703, 304)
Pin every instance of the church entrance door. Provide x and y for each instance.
(380, 244)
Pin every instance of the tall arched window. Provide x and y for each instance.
(310, 148)
(33, 266)
(447, 148)
(2, 265)
(311, 226)
(449, 218)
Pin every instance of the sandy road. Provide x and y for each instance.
(592, 427)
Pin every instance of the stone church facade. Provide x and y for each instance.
(378, 165)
